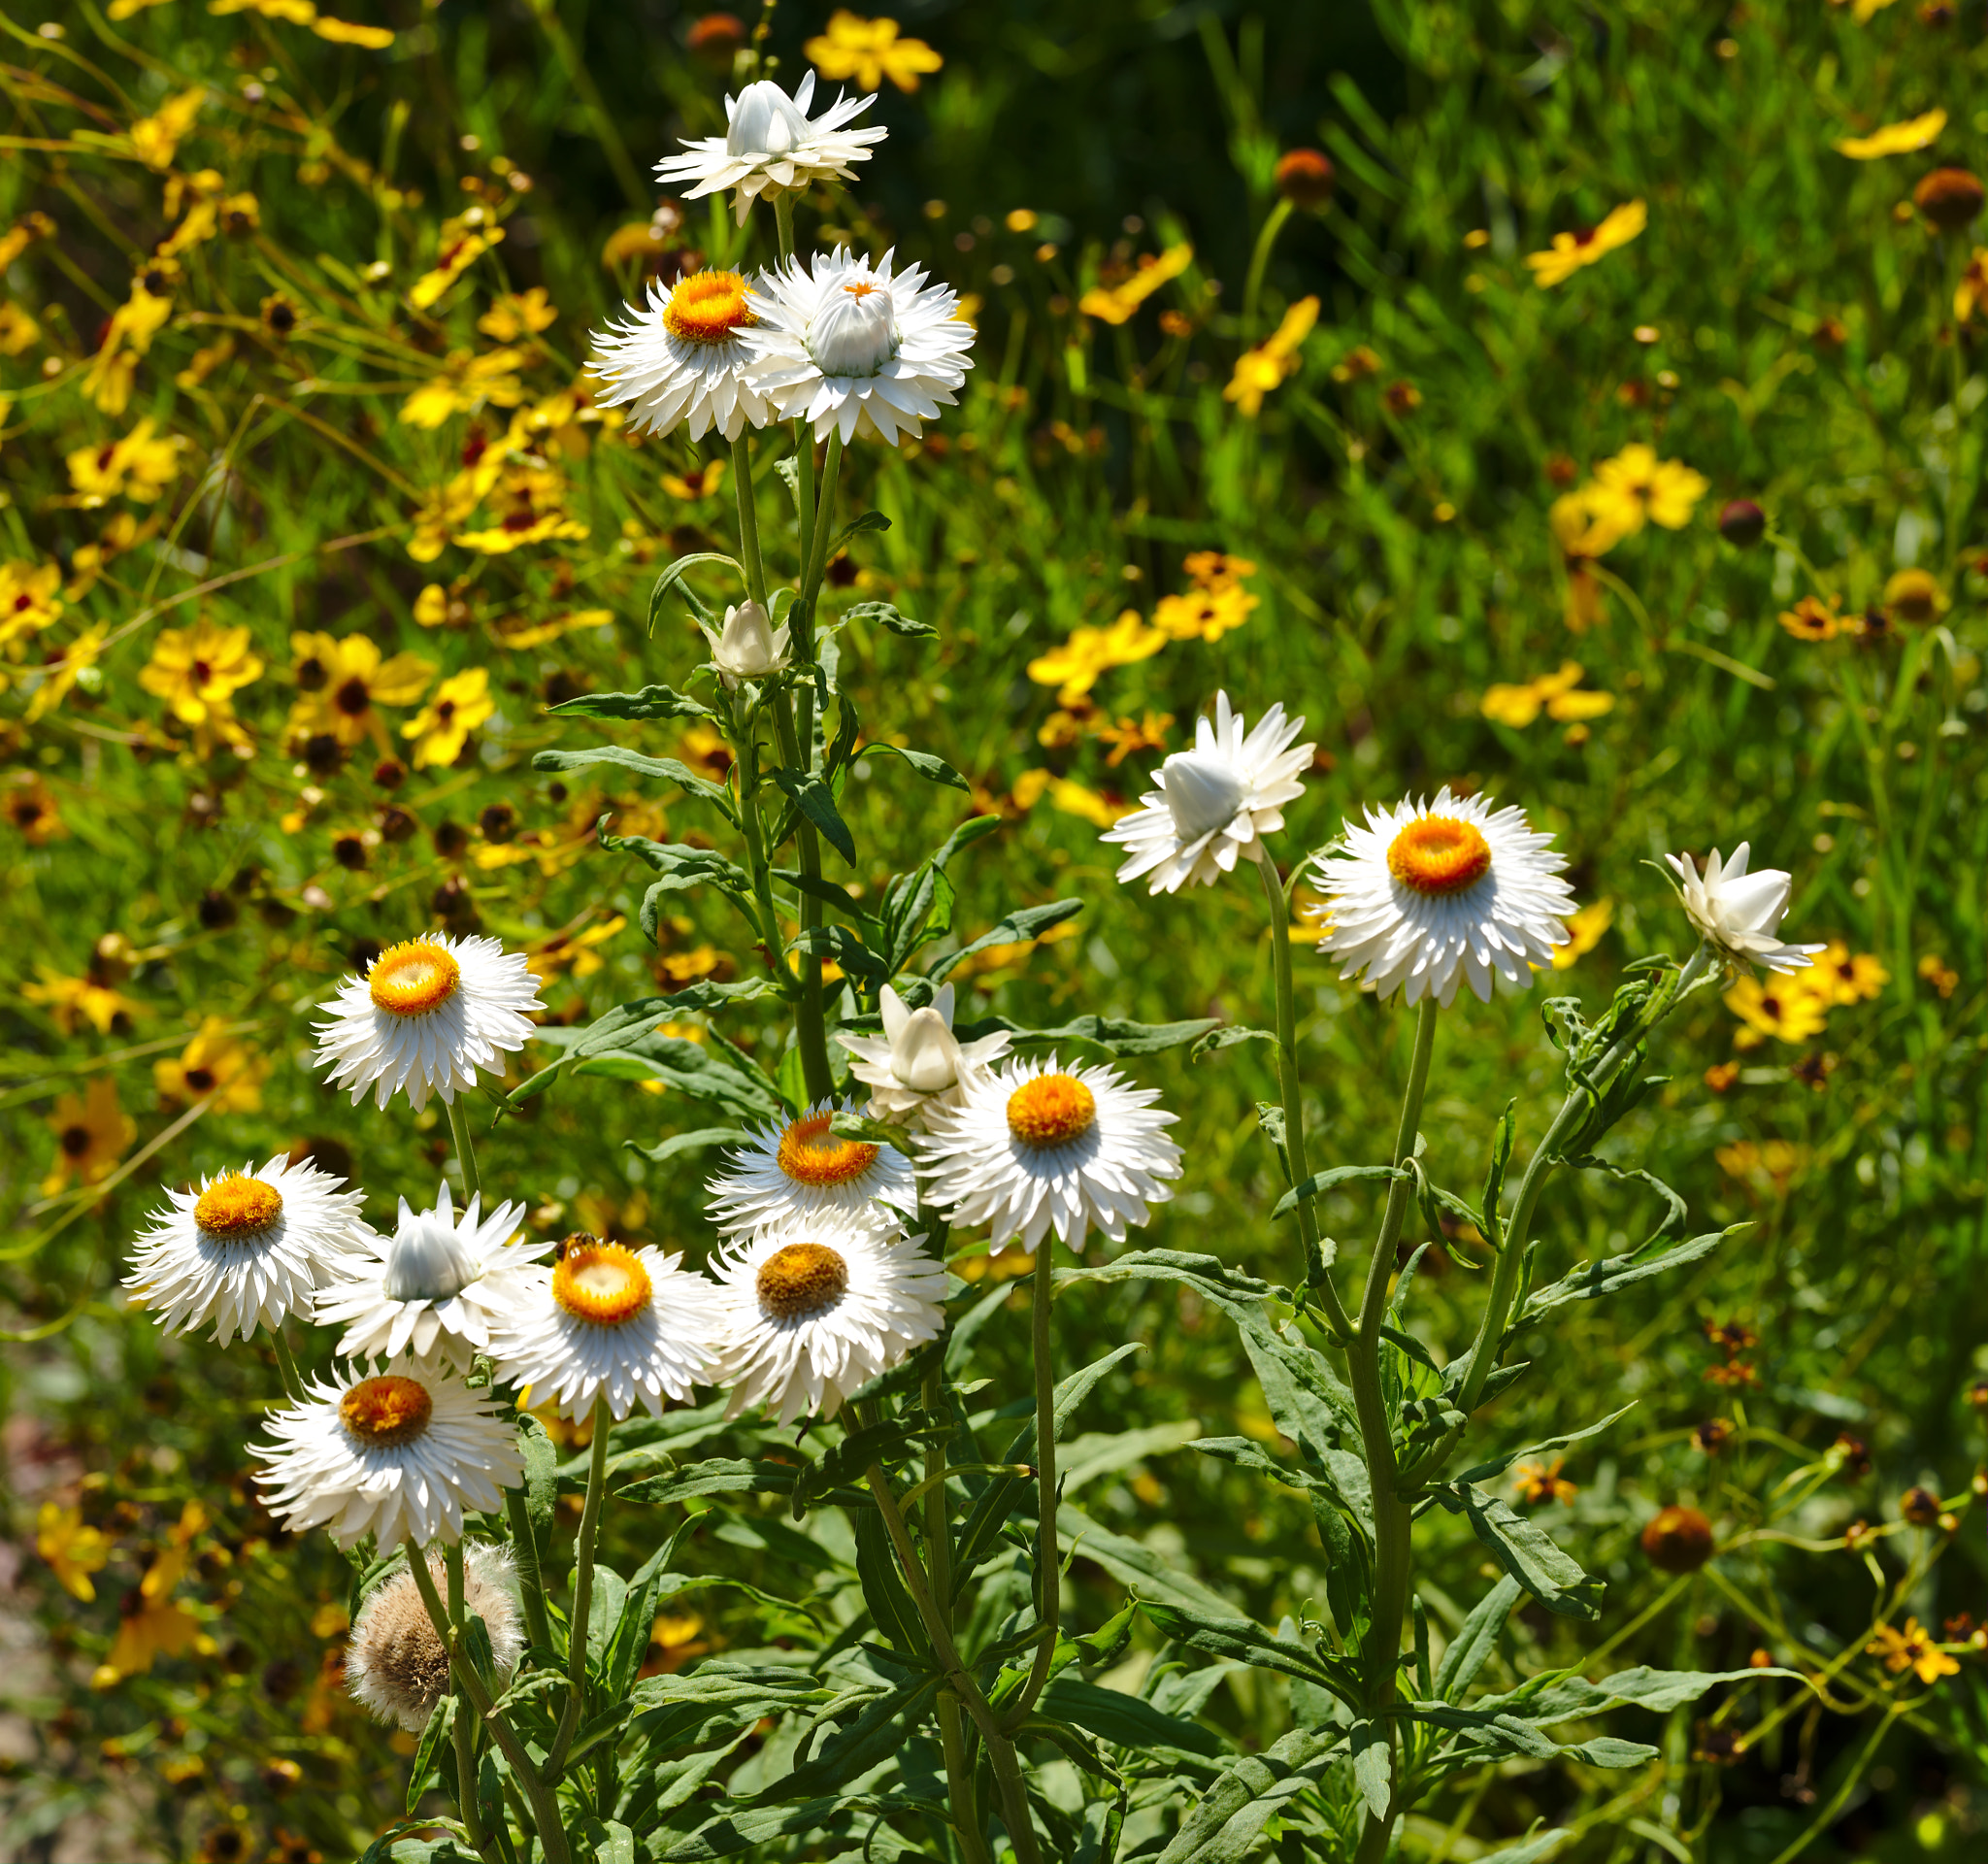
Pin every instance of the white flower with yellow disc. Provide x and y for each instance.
(630, 1325)
(804, 1171)
(771, 145)
(427, 1016)
(1426, 896)
(813, 1312)
(399, 1453)
(248, 1249)
(917, 1062)
(680, 359)
(1033, 1146)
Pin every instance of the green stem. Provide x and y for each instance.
(524, 1555)
(583, 1590)
(748, 519)
(1015, 1801)
(959, 1775)
(462, 1729)
(784, 217)
(1955, 251)
(1259, 263)
(1048, 1563)
(465, 1152)
(600, 119)
(286, 1367)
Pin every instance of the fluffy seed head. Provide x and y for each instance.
(396, 1664)
(708, 307)
(801, 1281)
(1052, 1111)
(603, 1282)
(1440, 854)
(810, 1153)
(235, 1205)
(413, 978)
(385, 1413)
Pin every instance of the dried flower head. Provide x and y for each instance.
(396, 1664)
(1948, 197)
(1919, 1506)
(1677, 1540)
(1305, 177)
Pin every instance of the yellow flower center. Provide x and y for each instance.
(413, 978)
(801, 1281)
(708, 307)
(1440, 854)
(602, 1282)
(237, 1204)
(1052, 1111)
(812, 1154)
(386, 1413)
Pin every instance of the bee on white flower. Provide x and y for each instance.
(1740, 913)
(771, 145)
(917, 1062)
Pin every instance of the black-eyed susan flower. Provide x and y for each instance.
(396, 1666)
(1570, 252)
(214, 1066)
(1737, 913)
(771, 145)
(806, 1172)
(440, 729)
(341, 682)
(92, 1132)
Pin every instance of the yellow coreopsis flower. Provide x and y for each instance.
(132, 327)
(342, 32)
(1570, 252)
(460, 252)
(340, 683)
(71, 998)
(1972, 293)
(17, 330)
(1115, 304)
(1074, 799)
(154, 139)
(1260, 370)
(519, 314)
(217, 1065)
(1913, 1649)
(59, 677)
(870, 50)
(30, 806)
(1074, 666)
(153, 1626)
(1849, 976)
(571, 951)
(1584, 930)
(138, 466)
(466, 382)
(1214, 569)
(29, 599)
(1205, 613)
(92, 1135)
(196, 670)
(73, 1549)
(1637, 486)
(1789, 1008)
(1895, 139)
(438, 730)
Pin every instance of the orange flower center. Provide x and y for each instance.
(861, 288)
(237, 1204)
(801, 1281)
(1052, 1111)
(383, 1414)
(1440, 854)
(413, 978)
(602, 1282)
(812, 1154)
(708, 307)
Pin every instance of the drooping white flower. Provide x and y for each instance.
(1031, 1148)
(248, 1249)
(804, 1171)
(398, 1453)
(1427, 895)
(632, 1324)
(396, 1664)
(680, 360)
(813, 1314)
(427, 1014)
(435, 1287)
(917, 1062)
(1207, 806)
(772, 145)
(749, 646)
(1740, 912)
(858, 349)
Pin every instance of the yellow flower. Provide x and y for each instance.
(1578, 708)
(1585, 527)
(1810, 621)
(69, 998)
(1128, 738)
(74, 1550)
(1260, 370)
(138, 466)
(519, 314)
(1584, 930)
(704, 483)
(461, 703)
(17, 330)
(870, 50)
(91, 1134)
(1552, 693)
(1913, 1649)
(1116, 303)
(339, 682)
(519, 529)
(1570, 252)
(28, 599)
(466, 382)
(1788, 1008)
(459, 253)
(156, 138)
(570, 951)
(1972, 293)
(1913, 595)
(213, 1065)
(1637, 486)
(1203, 613)
(153, 1625)
(1865, 11)
(295, 13)
(195, 670)
(1074, 799)
(1849, 978)
(1537, 1483)
(1213, 569)
(1895, 139)
(342, 32)
(30, 807)
(518, 632)
(1074, 666)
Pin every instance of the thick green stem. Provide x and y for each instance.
(959, 1772)
(465, 1152)
(531, 1580)
(286, 1367)
(1015, 1801)
(748, 520)
(1048, 1562)
(463, 1730)
(583, 1589)
(1259, 263)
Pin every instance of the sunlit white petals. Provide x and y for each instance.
(1427, 896)
(747, 646)
(917, 1063)
(1740, 912)
(771, 145)
(680, 360)
(804, 1171)
(1208, 806)
(246, 1248)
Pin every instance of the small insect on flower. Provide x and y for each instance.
(806, 1172)
(395, 1663)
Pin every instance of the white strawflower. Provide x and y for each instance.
(774, 146)
(804, 1171)
(1031, 1148)
(679, 360)
(630, 1325)
(248, 1249)
(748, 646)
(857, 348)
(399, 1454)
(811, 1315)
(1207, 806)
(396, 1666)
(917, 1062)
(427, 1016)
(1740, 912)
(1426, 895)
(436, 1286)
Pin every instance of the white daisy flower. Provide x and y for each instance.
(248, 1249)
(1427, 895)
(399, 1454)
(917, 1062)
(1208, 805)
(1031, 1147)
(811, 1315)
(804, 1172)
(396, 1666)
(427, 1014)
(437, 1285)
(773, 145)
(1738, 912)
(605, 1318)
(680, 359)
(856, 349)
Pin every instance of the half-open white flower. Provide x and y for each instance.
(1740, 913)
(749, 646)
(1208, 806)
(773, 145)
(917, 1062)
(680, 359)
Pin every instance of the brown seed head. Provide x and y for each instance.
(1305, 177)
(396, 1664)
(1677, 1540)
(1948, 197)
(1920, 1506)
(1742, 522)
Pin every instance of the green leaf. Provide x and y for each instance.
(1593, 1280)
(705, 995)
(673, 578)
(842, 944)
(1528, 1851)
(853, 529)
(1527, 1553)
(884, 1588)
(611, 1844)
(651, 701)
(1498, 1464)
(1117, 1036)
(622, 758)
(1244, 1640)
(439, 1721)
(604, 1609)
(816, 801)
(1493, 1225)
(701, 1140)
(1472, 1646)
(626, 1043)
(541, 1475)
(681, 865)
(1226, 1824)
(1369, 1744)
(1324, 1180)
(1660, 1691)
(1226, 1036)
(629, 1643)
(1019, 927)
(935, 770)
(757, 1824)
(885, 616)
(1125, 1721)
(719, 1697)
(874, 1737)
(723, 1475)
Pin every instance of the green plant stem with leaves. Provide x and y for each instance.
(582, 1588)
